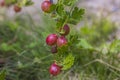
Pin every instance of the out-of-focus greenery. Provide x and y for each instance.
(99, 32)
(22, 44)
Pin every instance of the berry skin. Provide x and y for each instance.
(54, 49)
(45, 6)
(54, 69)
(61, 41)
(2, 3)
(51, 39)
(65, 29)
(17, 8)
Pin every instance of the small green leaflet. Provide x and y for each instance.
(28, 3)
(76, 15)
(60, 10)
(68, 62)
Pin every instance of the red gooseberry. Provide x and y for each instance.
(51, 39)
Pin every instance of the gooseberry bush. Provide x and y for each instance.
(33, 52)
(67, 15)
(68, 48)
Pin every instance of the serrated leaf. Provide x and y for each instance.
(72, 21)
(60, 23)
(60, 10)
(76, 15)
(52, 8)
(28, 3)
(2, 75)
(68, 62)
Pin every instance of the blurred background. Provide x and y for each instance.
(25, 56)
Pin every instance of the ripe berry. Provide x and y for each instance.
(54, 69)
(51, 39)
(54, 49)
(61, 41)
(2, 3)
(65, 30)
(45, 6)
(17, 8)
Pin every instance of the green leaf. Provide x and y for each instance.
(68, 62)
(60, 23)
(69, 2)
(84, 44)
(76, 15)
(52, 8)
(115, 46)
(25, 3)
(28, 3)
(12, 26)
(73, 38)
(32, 45)
(10, 1)
(60, 10)
(5, 47)
(2, 75)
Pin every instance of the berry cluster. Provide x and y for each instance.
(58, 41)
(55, 40)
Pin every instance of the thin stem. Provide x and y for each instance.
(102, 62)
(68, 16)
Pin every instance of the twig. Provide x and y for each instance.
(67, 73)
(102, 62)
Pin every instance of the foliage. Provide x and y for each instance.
(87, 55)
(2, 75)
(97, 31)
(68, 62)
(19, 2)
(65, 16)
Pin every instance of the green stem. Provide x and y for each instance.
(70, 12)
